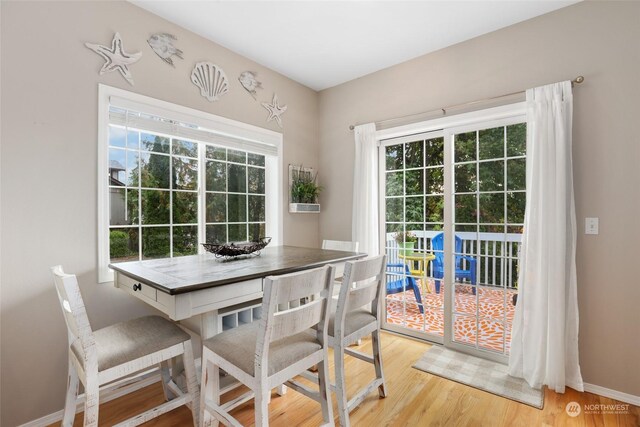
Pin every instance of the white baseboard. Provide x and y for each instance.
(612, 394)
(146, 380)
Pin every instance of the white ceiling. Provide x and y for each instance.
(324, 43)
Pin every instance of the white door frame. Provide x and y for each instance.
(446, 126)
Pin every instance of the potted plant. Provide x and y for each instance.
(304, 190)
(406, 241)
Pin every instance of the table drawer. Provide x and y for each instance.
(235, 292)
(136, 288)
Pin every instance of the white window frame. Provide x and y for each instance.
(238, 131)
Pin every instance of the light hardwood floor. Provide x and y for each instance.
(415, 399)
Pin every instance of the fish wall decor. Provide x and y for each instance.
(162, 45)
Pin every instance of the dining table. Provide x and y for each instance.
(205, 287)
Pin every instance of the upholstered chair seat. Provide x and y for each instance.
(130, 340)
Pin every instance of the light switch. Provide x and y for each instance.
(591, 225)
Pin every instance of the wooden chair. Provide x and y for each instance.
(358, 315)
(101, 357)
(267, 353)
(340, 245)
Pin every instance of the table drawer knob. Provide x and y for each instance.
(137, 287)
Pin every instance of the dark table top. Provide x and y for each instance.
(190, 273)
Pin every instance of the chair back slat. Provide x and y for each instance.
(340, 245)
(73, 309)
(295, 320)
(362, 295)
(363, 270)
(296, 286)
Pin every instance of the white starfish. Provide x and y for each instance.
(275, 110)
(116, 58)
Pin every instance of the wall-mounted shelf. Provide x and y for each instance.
(304, 207)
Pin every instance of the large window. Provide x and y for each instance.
(171, 178)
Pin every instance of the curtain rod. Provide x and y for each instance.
(574, 82)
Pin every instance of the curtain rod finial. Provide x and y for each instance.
(351, 127)
(578, 79)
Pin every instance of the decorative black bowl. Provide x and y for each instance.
(236, 249)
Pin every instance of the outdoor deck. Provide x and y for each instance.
(402, 310)
(497, 273)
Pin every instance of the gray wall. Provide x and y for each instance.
(596, 39)
(48, 159)
(49, 148)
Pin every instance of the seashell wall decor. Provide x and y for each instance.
(211, 80)
(116, 59)
(162, 45)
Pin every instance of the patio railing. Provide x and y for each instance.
(496, 254)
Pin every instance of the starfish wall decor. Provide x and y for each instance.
(275, 110)
(116, 59)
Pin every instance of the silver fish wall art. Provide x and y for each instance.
(249, 83)
(162, 45)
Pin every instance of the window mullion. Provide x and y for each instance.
(202, 196)
(226, 191)
(171, 190)
(246, 197)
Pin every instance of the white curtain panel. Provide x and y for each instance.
(544, 347)
(364, 221)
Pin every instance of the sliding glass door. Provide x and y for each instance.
(413, 190)
(453, 204)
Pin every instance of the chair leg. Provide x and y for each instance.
(325, 395)
(341, 387)
(177, 368)
(377, 361)
(192, 381)
(210, 390)
(262, 406)
(165, 373)
(416, 293)
(91, 404)
(72, 395)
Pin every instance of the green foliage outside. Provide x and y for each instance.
(157, 173)
(119, 244)
(415, 182)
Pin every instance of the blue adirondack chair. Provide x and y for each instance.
(404, 283)
(437, 245)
